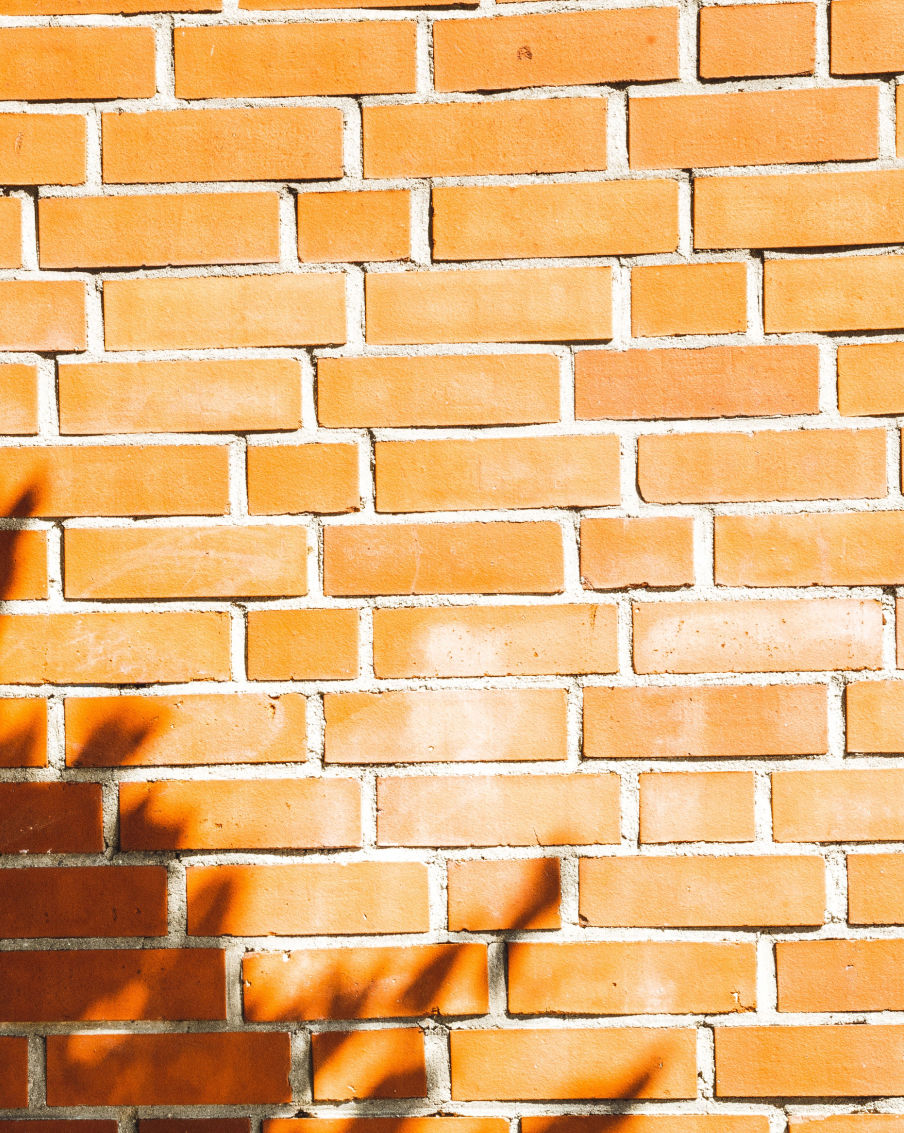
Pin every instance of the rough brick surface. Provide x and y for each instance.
(451, 575)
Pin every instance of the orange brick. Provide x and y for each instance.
(856, 293)
(13, 1071)
(23, 732)
(577, 1063)
(766, 465)
(83, 901)
(123, 648)
(464, 139)
(62, 63)
(704, 722)
(466, 389)
(487, 896)
(10, 233)
(599, 218)
(501, 810)
(875, 888)
(702, 892)
(229, 814)
(874, 716)
(798, 211)
(617, 552)
(111, 7)
(312, 645)
(838, 806)
(163, 731)
(18, 399)
(649, 1123)
(839, 975)
(715, 806)
(867, 36)
(754, 128)
(447, 558)
(858, 549)
(303, 478)
(226, 1069)
(56, 818)
(369, 1064)
(568, 49)
(688, 299)
(445, 725)
(209, 396)
(23, 564)
(760, 636)
(503, 472)
(501, 641)
(43, 149)
(354, 227)
(42, 315)
(113, 984)
(258, 143)
(381, 1124)
(312, 899)
(847, 1123)
(116, 480)
(188, 228)
(871, 379)
(827, 1061)
(712, 381)
(532, 305)
(185, 562)
(217, 311)
(366, 983)
(642, 978)
(276, 60)
(749, 40)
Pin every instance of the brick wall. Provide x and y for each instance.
(450, 644)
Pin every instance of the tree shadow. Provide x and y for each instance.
(325, 993)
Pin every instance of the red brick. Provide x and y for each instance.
(230, 814)
(573, 49)
(447, 558)
(23, 732)
(60, 63)
(761, 636)
(113, 984)
(57, 818)
(641, 978)
(827, 1061)
(292, 479)
(369, 1064)
(162, 731)
(445, 725)
(83, 901)
(449, 389)
(502, 472)
(307, 645)
(479, 641)
(123, 648)
(185, 562)
(175, 1069)
(536, 1064)
(702, 892)
(707, 721)
(488, 896)
(209, 396)
(501, 810)
(267, 60)
(13, 1071)
(709, 381)
(366, 983)
(260, 143)
(313, 899)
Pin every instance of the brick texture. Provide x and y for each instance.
(451, 589)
